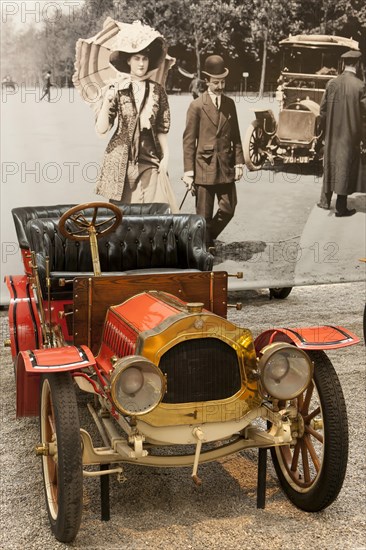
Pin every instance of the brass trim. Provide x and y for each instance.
(238, 306)
(64, 282)
(41, 449)
(94, 250)
(48, 284)
(211, 297)
(154, 343)
(121, 366)
(37, 288)
(58, 337)
(63, 314)
(204, 412)
(167, 324)
(195, 307)
(90, 303)
(177, 328)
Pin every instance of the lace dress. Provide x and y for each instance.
(133, 153)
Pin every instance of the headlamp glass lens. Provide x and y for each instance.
(137, 385)
(131, 381)
(286, 372)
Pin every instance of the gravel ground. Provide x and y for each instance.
(161, 508)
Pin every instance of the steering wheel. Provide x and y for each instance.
(85, 225)
(88, 229)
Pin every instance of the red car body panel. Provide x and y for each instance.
(145, 311)
(309, 338)
(31, 364)
(119, 339)
(24, 324)
(125, 322)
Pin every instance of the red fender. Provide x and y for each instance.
(308, 338)
(32, 363)
(24, 324)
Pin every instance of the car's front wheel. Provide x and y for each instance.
(62, 459)
(253, 146)
(312, 471)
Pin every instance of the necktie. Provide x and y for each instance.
(217, 102)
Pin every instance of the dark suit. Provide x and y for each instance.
(212, 148)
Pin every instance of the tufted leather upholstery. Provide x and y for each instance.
(153, 242)
(23, 214)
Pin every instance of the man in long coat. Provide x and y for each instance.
(213, 155)
(343, 114)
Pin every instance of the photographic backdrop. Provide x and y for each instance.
(50, 153)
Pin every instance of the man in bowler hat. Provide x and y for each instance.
(343, 116)
(213, 155)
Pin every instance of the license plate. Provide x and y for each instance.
(296, 160)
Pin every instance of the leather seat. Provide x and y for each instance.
(150, 243)
(23, 214)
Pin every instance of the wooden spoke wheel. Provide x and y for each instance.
(253, 145)
(85, 221)
(62, 459)
(312, 471)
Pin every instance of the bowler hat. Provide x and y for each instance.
(214, 66)
(351, 54)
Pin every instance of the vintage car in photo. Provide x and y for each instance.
(123, 305)
(308, 62)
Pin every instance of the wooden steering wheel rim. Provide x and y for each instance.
(79, 208)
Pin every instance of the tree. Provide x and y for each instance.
(271, 21)
(8, 50)
(207, 26)
(21, 53)
(162, 15)
(242, 31)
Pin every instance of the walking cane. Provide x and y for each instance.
(192, 190)
(184, 198)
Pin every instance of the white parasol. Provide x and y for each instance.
(93, 70)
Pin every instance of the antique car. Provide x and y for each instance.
(123, 304)
(308, 62)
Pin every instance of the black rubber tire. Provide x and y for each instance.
(63, 478)
(254, 160)
(323, 484)
(280, 293)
